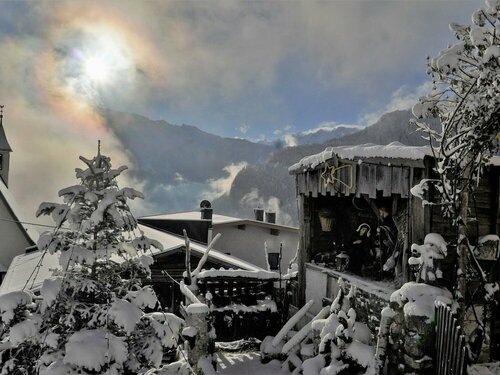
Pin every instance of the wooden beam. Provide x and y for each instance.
(304, 244)
(496, 191)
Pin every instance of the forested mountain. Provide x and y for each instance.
(180, 165)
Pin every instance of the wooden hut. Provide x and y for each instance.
(352, 182)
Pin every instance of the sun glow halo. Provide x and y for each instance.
(97, 69)
(98, 62)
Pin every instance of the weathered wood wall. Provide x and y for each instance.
(377, 179)
(484, 209)
(353, 178)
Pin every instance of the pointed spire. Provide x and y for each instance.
(4, 144)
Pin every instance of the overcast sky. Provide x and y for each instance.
(233, 68)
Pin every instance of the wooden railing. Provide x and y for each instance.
(451, 349)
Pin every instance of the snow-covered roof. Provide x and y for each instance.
(16, 212)
(217, 220)
(193, 215)
(4, 144)
(26, 265)
(394, 150)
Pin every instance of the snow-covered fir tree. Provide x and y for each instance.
(95, 316)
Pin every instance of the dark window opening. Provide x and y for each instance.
(274, 232)
(242, 227)
(274, 261)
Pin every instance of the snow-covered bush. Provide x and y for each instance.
(425, 256)
(333, 342)
(94, 316)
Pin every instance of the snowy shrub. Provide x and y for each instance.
(332, 343)
(95, 316)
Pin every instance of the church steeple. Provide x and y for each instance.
(5, 151)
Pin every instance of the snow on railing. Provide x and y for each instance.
(261, 274)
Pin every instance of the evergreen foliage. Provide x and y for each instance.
(95, 315)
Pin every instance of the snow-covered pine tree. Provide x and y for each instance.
(95, 316)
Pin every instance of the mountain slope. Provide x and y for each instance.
(393, 126)
(165, 153)
(325, 133)
(180, 165)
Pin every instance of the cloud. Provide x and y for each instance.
(283, 130)
(329, 126)
(47, 131)
(187, 56)
(253, 199)
(401, 99)
(222, 186)
(290, 140)
(243, 128)
(194, 53)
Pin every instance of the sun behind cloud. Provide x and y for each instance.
(91, 57)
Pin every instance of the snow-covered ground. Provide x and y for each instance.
(485, 369)
(247, 363)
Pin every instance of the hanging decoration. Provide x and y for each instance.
(330, 176)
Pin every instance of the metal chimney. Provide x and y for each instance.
(259, 214)
(206, 210)
(206, 214)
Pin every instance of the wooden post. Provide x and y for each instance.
(197, 331)
(188, 257)
(462, 251)
(304, 244)
(462, 243)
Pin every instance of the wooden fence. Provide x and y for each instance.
(451, 350)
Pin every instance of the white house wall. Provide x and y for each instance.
(316, 288)
(248, 244)
(13, 239)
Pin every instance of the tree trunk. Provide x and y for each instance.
(463, 244)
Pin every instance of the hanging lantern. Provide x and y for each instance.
(341, 261)
(326, 219)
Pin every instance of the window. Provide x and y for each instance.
(274, 232)
(274, 261)
(241, 227)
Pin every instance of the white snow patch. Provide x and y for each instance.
(24, 330)
(197, 308)
(10, 301)
(125, 314)
(392, 150)
(222, 272)
(92, 349)
(418, 299)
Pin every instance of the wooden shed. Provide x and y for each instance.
(352, 182)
